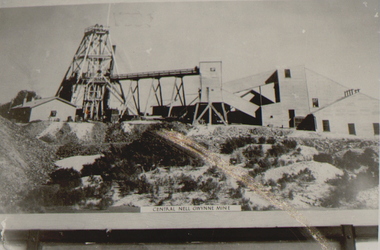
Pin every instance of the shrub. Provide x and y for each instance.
(212, 171)
(241, 184)
(68, 149)
(277, 150)
(67, 197)
(216, 173)
(245, 206)
(267, 208)
(69, 178)
(90, 191)
(264, 164)
(271, 183)
(258, 166)
(271, 140)
(262, 140)
(305, 175)
(370, 158)
(210, 187)
(341, 190)
(349, 160)
(282, 182)
(222, 177)
(99, 167)
(291, 195)
(197, 201)
(236, 142)
(75, 148)
(291, 144)
(189, 184)
(253, 152)
(115, 133)
(38, 198)
(126, 187)
(235, 193)
(152, 150)
(102, 190)
(104, 203)
(323, 157)
(143, 185)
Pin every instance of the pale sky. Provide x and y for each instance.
(338, 39)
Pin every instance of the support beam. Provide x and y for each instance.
(178, 93)
(211, 109)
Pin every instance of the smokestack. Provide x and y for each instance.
(113, 58)
(24, 101)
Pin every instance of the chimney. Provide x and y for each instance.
(112, 62)
(24, 101)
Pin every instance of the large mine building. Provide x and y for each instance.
(292, 97)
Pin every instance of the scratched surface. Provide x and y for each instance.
(326, 46)
(243, 176)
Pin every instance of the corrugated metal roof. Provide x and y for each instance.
(41, 101)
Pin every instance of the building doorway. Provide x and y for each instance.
(292, 115)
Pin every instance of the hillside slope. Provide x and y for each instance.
(24, 163)
(134, 165)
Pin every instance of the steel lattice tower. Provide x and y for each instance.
(87, 82)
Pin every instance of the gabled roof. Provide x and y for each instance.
(35, 103)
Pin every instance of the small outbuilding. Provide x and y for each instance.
(45, 109)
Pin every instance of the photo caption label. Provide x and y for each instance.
(185, 209)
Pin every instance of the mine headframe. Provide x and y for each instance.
(87, 82)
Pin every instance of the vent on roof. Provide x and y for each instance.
(351, 92)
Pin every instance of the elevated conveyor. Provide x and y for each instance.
(156, 74)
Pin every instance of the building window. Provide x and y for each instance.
(376, 128)
(292, 115)
(287, 73)
(315, 102)
(351, 129)
(326, 125)
(53, 113)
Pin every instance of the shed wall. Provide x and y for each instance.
(359, 109)
(43, 111)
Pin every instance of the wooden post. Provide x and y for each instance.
(348, 241)
(33, 240)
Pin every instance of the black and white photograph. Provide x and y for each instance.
(189, 115)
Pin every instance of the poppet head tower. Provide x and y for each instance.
(87, 82)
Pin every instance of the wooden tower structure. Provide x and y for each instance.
(87, 82)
